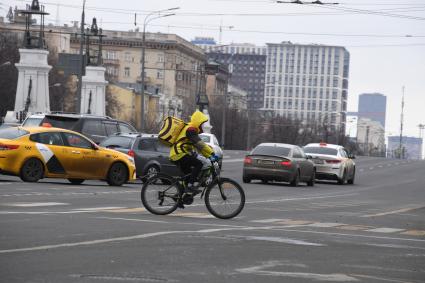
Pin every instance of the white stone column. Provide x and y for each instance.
(33, 65)
(94, 82)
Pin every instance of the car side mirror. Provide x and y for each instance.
(351, 156)
(309, 157)
(94, 146)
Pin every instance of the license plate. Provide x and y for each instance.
(267, 162)
(318, 161)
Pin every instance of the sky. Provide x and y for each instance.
(386, 39)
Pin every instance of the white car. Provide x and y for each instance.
(212, 141)
(333, 162)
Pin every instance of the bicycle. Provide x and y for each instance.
(161, 194)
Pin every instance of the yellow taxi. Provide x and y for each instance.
(46, 152)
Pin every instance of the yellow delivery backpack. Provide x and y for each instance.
(170, 130)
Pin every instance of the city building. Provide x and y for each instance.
(411, 147)
(373, 106)
(201, 41)
(217, 80)
(232, 48)
(237, 98)
(172, 65)
(247, 72)
(371, 137)
(307, 82)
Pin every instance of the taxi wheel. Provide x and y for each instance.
(32, 170)
(117, 175)
(76, 181)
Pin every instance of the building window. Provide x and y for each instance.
(179, 76)
(127, 57)
(160, 58)
(126, 72)
(160, 74)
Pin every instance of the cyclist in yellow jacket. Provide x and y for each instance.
(185, 150)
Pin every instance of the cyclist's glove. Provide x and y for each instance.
(214, 157)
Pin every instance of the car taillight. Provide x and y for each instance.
(131, 153)
(333, 161)
(286, 163)
(247, 160)
(8, 146)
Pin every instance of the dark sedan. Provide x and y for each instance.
(150, 156)
(278, 162)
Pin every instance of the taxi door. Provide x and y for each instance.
(84, 160)
(51, 147)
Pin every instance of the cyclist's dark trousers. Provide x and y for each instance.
(189, 164)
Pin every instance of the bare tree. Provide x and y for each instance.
(9, 55)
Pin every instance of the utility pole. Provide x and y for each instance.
(401, 126)
(142, 75)
(221, 31)
(82, 61)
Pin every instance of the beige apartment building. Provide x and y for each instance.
(172, 64)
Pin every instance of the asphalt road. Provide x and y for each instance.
(373, 231)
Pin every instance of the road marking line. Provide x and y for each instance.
(192, 215)
(361, 169)
(325, 224)
(380, 278)
(268, 220)
(137, 220)
(137, 209)
(371, 168)
(260, 270)
(34, 204)
(294, 222)
(414, 233)
(354, 227)
(348, 235)
(394, 211)
(282, 240)
(99, 208)
(385, 230)
(305, 198)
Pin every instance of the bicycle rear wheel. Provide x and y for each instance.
(160, 194)
(225, 199)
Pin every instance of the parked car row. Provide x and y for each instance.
(293, 164)
(45, 149)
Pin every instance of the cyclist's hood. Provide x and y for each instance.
(197, 119)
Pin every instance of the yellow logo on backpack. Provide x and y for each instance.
(170, 130)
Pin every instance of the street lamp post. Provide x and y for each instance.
(142, 75)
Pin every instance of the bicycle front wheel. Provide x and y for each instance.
(225, 199)
(160, 194)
